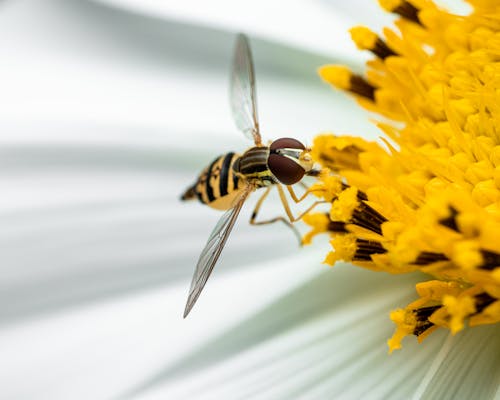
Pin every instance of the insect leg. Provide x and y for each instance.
(294, 196)
(296, 199)
(275, 219)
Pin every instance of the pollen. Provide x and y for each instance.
(426, 196)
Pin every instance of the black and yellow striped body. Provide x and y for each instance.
(218, 184)
(228, 175)
(252, 165)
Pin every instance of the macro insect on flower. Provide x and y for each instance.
(227, 182)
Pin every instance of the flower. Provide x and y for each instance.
(108, 111)
(428, 197)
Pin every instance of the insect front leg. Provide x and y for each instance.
(275, 219)
(297, 199)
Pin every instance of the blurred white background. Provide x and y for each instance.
(108, 110)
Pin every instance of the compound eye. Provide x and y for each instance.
(286, 143)
(283, 168)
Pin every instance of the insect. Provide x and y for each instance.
(227, 182)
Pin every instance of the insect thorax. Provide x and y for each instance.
(252, 165)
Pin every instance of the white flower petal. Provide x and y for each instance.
(326, 339)
(321, 28)
(166, 83)
(469, 367)
(99, 350)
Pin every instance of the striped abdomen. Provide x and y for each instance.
(218, 185)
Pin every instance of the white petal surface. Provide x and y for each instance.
(322, 28)
(332, 346)
(468, 367)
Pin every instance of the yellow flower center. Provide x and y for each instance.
(427, 198)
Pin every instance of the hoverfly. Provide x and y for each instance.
(229, 179)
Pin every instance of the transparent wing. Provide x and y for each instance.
(212, 250)
(242, 91)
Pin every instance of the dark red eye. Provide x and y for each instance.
(286, 143)
(283, 168)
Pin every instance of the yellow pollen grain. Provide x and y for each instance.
(363, 37)
(466, 255)
(436, 290)
(344, 248)
(405, 323)
(458, 309)
(390, 5)
(485, 193)
(336, 75)
(343, 208)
